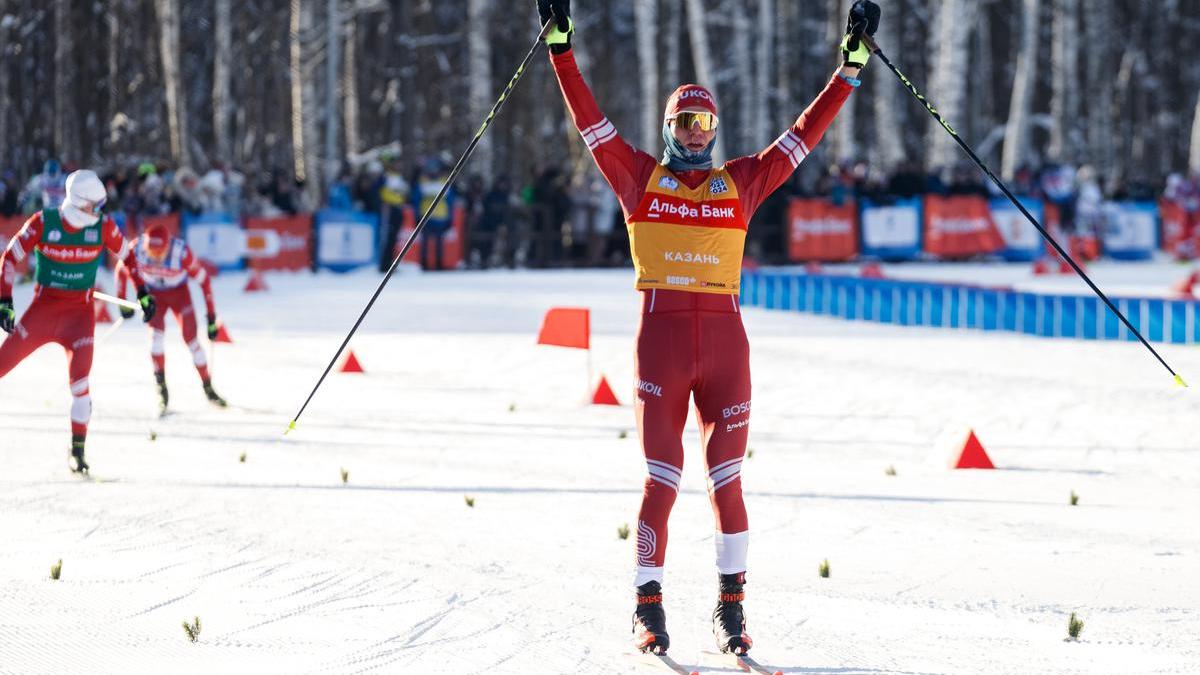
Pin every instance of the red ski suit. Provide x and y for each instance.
(166, 279)
(692, 343)
(65, 317)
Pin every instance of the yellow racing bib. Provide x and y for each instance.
(688, 239)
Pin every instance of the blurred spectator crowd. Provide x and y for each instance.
(554, 217)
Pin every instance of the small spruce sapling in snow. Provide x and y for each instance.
(622, 434)
(1074, 628)
(192, 630)
(750, 453)
(56, 570)
(345, 476)
(623, 531)
(823, 570)
(469, 500)
(1074, 499)
(242, 458)
(891, 471)
(153, 436)
(512, 407)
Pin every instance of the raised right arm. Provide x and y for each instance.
(624, 167)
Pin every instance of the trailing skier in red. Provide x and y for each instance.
(687, 225)
(166, 264)
(67, 242)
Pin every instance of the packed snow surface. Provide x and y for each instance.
(292, 570)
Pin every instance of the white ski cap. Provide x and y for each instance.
(84, 191)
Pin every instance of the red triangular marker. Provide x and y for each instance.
(223, 335)
(351, 364)
(102, 315)
(604, 394)
(255, 282)
(1185, 287)
(872, 271)
(973, 456)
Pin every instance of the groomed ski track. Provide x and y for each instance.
(292, 571)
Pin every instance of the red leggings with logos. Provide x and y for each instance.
(68, 319)
(692, 344)
(179, 302)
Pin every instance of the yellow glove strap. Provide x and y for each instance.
(859, 56)
(557, 37)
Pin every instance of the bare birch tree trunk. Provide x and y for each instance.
(844, 146)
(168, 20)
(7, 152)
(743, 67)
(670, 24)
(1020, 107)
(702, 58)
(222, 59)
(786, 23)
(764, 40)
(479, 82)
(1064, 101)
(303, 85)
(888, 148)
(66, 118)
(350, 87)
(646, 29)
(1194, 148)
(948, 83)
(1098, 29)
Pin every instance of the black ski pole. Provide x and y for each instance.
(487, 123)
(874, 47)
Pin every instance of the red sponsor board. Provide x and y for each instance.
(283, 243)
(452, 241)
(819, 230)
(9, 227)
(1176, 229)
(960, 226)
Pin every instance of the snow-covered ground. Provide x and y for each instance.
(292, 571)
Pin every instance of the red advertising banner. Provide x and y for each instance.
(453, 242)
(820, 231)
(9, 227)
(1176, 229)
(282, 243)
(960, 226)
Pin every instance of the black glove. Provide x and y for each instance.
(8, 318)
(212, 327)
(126, 313)
(559, 37)
(147, 302)
(864, 18)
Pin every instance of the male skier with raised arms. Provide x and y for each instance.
(166, 264)
(68, 242)
(687, 228)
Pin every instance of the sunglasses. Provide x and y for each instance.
(688, 119)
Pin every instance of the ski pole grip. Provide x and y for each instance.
(871, 44)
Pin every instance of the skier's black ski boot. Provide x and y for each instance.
(161, 378)
(650, 620)
(212, 395)
(729, 621)
(76, 461)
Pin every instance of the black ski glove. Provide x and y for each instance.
(212, 327)
(147, 302)
(126, 313)
(8, 318)
(864, 18)
(559, 37)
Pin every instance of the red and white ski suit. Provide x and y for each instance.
(65, 317)
(166, 279)
(691, 342)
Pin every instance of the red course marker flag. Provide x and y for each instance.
(566, 327)
(604, 394)
(972, 455)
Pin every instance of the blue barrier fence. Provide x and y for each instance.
(915, 303)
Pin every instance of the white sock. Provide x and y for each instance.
(731, 551)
